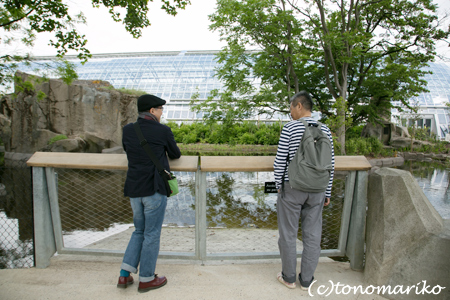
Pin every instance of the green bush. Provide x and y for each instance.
(57, 138)
(190, 138)
(423, 134)
(354, 132)
(248, 139)
(376, 144)
(363, 146)
(350, 146)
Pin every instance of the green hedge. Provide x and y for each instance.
(252, 133)
(248, 133)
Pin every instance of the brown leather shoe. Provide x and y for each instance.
(124, 282)
(151, 285)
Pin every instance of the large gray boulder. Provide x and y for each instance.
(407, 241)
(81, 110)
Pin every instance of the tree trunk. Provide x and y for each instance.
(340, 129)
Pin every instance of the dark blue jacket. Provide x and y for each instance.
(143, 178)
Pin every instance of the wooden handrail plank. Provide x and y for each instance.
(185, 163)
(100, 161)
(265, 163)
(237, 163)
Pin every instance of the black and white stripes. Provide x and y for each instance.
(290, 138)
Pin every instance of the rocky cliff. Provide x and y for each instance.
(90, 116)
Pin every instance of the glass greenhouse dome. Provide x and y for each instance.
(178, 76)
(433, 113)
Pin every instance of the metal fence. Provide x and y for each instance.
(241, 218)
(16, 215)
(221, 211)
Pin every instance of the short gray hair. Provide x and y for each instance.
(304, 98)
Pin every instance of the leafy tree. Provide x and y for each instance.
(366, 52)
(21, 21)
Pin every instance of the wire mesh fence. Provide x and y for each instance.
(241, 218)
(96, 215)
(16, 215)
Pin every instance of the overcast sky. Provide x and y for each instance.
(188, 30)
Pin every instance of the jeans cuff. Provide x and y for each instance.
(128, 268)
(146, 279)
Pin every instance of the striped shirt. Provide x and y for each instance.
(290, 138)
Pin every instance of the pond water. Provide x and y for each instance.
(433, 179)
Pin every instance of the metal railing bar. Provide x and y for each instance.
(346, 211)
(54, 207)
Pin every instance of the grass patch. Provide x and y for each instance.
(57, 138)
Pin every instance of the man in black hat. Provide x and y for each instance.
(147, 192)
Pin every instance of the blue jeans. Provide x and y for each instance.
(143, 247)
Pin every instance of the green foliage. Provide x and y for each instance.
(436, 147)
(132, 92)
(66, 71)
(57, 138)
(124, 90)
(28, 86)
(21, 21)
(249, 133)
(364, 146)
(422, 134)
(325, 47)
(248, 139)
(354, 132)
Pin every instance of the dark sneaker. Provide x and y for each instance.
(124, 282)
(151, 285)
(304, 285)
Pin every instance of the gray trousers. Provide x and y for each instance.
(292, 206)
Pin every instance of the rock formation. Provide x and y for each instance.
(390, 134)
(90, 116)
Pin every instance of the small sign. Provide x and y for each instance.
(270, 187)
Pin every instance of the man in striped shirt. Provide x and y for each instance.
(293, 204)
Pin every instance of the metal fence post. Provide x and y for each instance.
(44, 237)
(346, 211)
(356, 236)
(52, 185)
(200, 215)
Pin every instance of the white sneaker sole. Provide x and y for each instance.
(286, 284)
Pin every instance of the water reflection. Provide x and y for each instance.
(226, 209)
(433, 179)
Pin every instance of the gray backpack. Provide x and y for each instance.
(309, 170)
